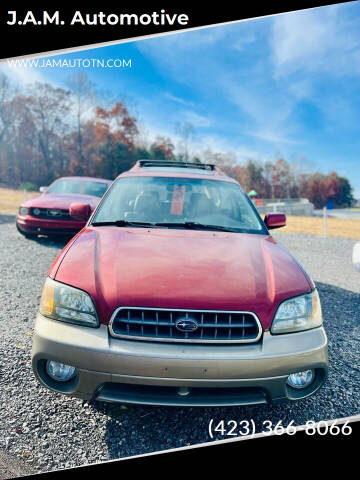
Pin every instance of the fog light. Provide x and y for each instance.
(59, 371)
(301, 379)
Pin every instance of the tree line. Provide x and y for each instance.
(282, 179)
(47, 132)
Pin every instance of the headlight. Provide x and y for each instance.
(24, 210)
(298, 314)
(67, 304)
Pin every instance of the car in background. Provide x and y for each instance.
(48, 214)
(175, 293)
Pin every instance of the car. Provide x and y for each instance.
(48, 214)
(175, 293)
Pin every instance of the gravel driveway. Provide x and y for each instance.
(51, 431)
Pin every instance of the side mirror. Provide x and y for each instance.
(275, 220)
(356, 256)
(43, 189)
(80, 211)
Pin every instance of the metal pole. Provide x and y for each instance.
(325, 221)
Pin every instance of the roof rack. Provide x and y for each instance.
(176, 164)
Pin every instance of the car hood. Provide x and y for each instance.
(60, 201)
(183, 269)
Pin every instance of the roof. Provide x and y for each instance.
(166, 168)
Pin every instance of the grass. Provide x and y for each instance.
(336, 227)
(11, 199)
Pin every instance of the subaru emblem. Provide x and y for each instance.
(186, 325)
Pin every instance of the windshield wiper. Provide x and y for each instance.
(189, 225)
(196, 226)
(123, 223)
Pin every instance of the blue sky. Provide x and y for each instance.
(286, 85)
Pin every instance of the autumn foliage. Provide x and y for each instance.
(47, 132)
(281, 179)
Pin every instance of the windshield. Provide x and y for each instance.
(178, 202)
(96, 189)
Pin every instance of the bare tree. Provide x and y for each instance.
(82, 91)
(186, 132)
(49, 107)
(5, 94)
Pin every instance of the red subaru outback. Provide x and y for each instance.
(175, 293)
(48, 214)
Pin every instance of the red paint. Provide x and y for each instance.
(275, 220)
(80, 211)
(181, 269)
(176, 268)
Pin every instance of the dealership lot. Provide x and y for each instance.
(51, 431)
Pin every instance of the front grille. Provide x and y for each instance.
(54, 213)
(196, 326)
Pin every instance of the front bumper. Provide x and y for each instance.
(126, 371)
(40, 226)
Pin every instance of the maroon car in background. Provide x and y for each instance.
(48, 214)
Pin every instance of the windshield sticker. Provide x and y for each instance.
(177, 202)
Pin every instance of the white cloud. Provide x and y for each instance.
(23, 75)
(320, 40)
(176, 99)
(196, 119)
(214, 142)
(192, 59)
(188, 56)
(270, 136)
(311, 53)
(217, 143)
(243, 41)
(267, 111)
(300, 88)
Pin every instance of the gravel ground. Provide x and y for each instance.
(11, 467)
(52, 431)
